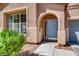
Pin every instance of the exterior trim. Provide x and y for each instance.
(5, 13)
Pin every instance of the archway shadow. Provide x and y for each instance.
(24, 53)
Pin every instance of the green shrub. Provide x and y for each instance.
(10, 43)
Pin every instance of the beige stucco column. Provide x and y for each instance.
(32, 24)
(61, 30)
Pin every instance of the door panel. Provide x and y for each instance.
(52, 27)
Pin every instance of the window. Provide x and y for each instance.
(17, 22)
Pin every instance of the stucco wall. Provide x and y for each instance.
(42, 7)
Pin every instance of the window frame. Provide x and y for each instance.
(15, 19)
(8, 12)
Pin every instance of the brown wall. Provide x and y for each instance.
(42, 7)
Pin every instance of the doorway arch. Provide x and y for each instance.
(42, 20)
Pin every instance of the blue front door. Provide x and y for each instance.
(52, 27)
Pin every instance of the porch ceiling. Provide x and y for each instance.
(3, 5)
(72, 6)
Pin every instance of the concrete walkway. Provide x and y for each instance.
(62, 52)
(48, 49)
(45, 49)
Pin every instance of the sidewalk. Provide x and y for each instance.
(61, 52)
(48, 49)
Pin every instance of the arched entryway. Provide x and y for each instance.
(49, 27)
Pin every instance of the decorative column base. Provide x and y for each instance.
(32, 36)
(61, 38)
